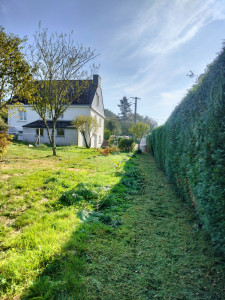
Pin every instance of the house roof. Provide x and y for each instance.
(87, 95)
(40, 124)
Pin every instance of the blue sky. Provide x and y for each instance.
(146, 46)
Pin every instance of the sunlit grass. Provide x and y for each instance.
(34, 226)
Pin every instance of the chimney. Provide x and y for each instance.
(97, 80)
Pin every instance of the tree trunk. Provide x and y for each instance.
(85, 140)
(53, 139)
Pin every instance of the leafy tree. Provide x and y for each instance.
(15, 79)
(117, 125)
(4, 138)
(107, 134)
(59, 63)
(87, 125)
(125, 110)
(14, 70)
(138, 130)
(113, 125)
(112, 122)
(125, 126)
(147, 120)
(109, 114)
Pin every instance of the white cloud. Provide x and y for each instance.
(166, 25)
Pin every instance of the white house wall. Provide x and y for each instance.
(70, 137)
(74, 111)
(14, 122)
(97, 105)
(100, 132)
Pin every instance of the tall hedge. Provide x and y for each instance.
(190, 148)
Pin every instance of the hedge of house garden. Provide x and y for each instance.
(190, 148)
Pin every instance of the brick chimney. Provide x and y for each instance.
(97, 80)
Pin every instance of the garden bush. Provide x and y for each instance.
(126, 145)
(190, 148)
(107, 134)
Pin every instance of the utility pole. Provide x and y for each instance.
(135, 108)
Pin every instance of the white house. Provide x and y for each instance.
(27, 124)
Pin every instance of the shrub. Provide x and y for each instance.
(126, 145)
(107, 134)
(190, 148)
(108, 150)
(4, 142)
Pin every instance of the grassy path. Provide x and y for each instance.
(159, 252)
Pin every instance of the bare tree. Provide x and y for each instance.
(59, 63)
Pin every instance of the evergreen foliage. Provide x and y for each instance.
(190, 148)
(126, 145)
(125, 109)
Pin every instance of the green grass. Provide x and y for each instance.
(35, 224)
(84, 226)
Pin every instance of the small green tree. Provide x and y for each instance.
(138, 130)
(107, 134)
(87, 125)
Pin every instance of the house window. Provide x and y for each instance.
(100, 122)
(60, 132)
(23, 115)
(41, 131)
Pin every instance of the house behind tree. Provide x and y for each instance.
(28, 125)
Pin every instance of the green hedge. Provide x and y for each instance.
(190, 148)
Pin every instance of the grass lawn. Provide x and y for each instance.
(86, 226)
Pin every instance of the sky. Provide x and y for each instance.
(146, 47)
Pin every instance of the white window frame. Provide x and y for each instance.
(22, 115)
